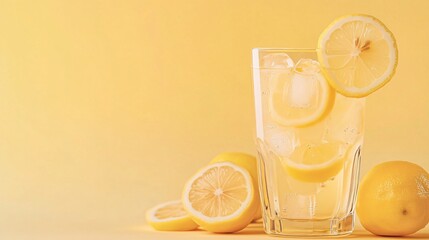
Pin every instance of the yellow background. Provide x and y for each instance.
(107, 107)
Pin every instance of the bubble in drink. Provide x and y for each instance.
(345, 122)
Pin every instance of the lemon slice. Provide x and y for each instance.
(358, 55)
(316, 163)
(301, 97)
(170, 216)
(221, 197)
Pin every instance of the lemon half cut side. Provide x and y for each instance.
(221, 198)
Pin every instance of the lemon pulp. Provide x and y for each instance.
(221, 197)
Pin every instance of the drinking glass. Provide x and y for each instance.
(308, 155)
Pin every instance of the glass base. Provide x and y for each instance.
(310, 228)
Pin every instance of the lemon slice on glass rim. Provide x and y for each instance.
(358, 55)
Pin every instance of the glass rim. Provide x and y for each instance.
(257, 51)
(285, 49)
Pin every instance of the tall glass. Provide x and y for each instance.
(309, 139)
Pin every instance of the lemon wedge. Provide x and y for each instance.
(301, 97)
(358, 55)
(221, 198)
(170, 216)
(316, 163)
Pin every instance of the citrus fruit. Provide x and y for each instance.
(247, 162)
(301, 97)
(316, 163)
(393, 199)
(170, 216)
(358, 55)
(221, 197)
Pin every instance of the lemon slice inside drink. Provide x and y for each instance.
(358, 55)
(316, 163)
(302, 96)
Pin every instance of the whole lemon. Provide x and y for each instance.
(247, 162)
(393, 199)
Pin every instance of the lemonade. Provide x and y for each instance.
(309, 140)
(309, 106)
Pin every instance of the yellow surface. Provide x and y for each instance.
(107, 107)
(252, 232)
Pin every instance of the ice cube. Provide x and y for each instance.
(307, 66)
(277, 60)
(281, 141)
(302, 91)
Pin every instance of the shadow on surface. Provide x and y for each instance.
(252, 229)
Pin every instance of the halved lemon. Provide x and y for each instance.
(358, 55)
(316, 163)
(221, 197)
(170, 216)
(247, 162)
(301, 97)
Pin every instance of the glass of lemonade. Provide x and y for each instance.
(309, 139)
